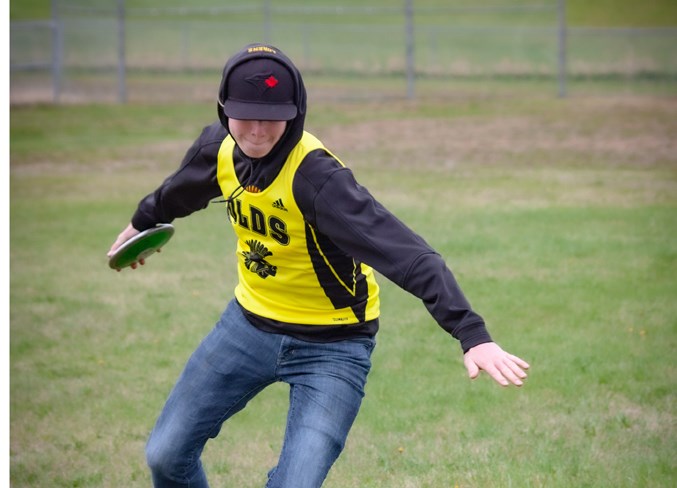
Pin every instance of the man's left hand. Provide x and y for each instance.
(503, 367)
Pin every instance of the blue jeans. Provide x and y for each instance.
(234, 363)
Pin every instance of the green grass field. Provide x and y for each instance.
(559, 218)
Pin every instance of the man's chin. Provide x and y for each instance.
(255, 152)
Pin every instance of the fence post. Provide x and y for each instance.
(57, 53)
(562, 47)
(267, 22)
(122, 76)
(409, 22)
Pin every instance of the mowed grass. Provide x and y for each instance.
(559, 218)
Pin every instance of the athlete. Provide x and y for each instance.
(306, 306)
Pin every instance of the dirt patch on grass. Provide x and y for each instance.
(164, 156)
(633, 131)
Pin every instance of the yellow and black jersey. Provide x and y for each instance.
(288, 271)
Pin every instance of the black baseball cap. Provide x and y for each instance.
(260, 89)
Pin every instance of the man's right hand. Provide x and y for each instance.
(123, 237)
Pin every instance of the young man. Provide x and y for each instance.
(306, 306)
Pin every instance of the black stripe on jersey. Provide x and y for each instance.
(339, 275)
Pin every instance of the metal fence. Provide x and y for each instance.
(102, 51)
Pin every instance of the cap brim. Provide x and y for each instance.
(259, 111)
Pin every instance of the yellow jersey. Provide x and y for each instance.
(287, 271)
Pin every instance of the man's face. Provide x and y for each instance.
(256, 138)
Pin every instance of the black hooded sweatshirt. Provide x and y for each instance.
(331, 201)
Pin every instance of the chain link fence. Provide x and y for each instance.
(104, 51)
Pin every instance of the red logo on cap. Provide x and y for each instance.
(271, 81)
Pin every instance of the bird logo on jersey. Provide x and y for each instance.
(255, 262)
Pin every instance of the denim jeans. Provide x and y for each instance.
(234, 363)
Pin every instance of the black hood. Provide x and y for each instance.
(271, 164)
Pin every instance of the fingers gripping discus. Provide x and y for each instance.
(141, 246)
